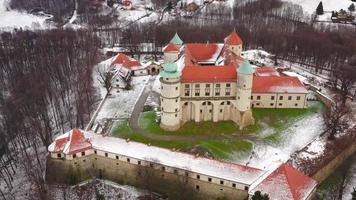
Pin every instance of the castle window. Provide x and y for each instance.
(186, 93)
(280, 104)
(217, 85)
(186, 174)
(222, 103)
(201, 110)
(289, 97)
(209, 103)
(176, 115)
(272, 97)
(176, 88)
(198, 176)
(220, 110)
(251, 97)
(258, 97)
(197, 85)
(209, 111)
(257, 104)
(139, 162)
(280, 97)
(117, 157)
(106, 154)
(228, 103)
(163, 169)
(186, 86)
(176, 100)
(209, 179)
(217, 92)
(296, 105)
(204, 103)
(246, 188)
(176, 109)
(197, 187)
(227, 91)
(59, 155)
(272, 104)
(83, 153)
(197, 93)
(95, 152)
(162, 108)
(175, 171)
(228, 84)
(207, 91)
(298, 97)
(74, 155)
(84, 160)
(128, 160)
(207, 85)
(234, 185)
(221, 182)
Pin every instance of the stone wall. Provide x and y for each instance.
(175, 183)
(328, 169)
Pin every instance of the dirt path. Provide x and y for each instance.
(134, 124)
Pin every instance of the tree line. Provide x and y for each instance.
(46, 80)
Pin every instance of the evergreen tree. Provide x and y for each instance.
(320, 9)
(259, 196)
(353, 193)
(352, 7)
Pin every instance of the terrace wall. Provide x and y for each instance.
(175, 183)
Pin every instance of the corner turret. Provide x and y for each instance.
(234, 43)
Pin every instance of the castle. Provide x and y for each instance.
(212, 82)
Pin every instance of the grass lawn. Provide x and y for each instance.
(225, 148)
(277, 119)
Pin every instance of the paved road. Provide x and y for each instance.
(133, 122)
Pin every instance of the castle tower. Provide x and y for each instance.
(177, 41)
(170, 53)
(243, 96)
(234, 43)
(170, 97)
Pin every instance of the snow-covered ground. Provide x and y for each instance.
(351, 185)
(93, 188)
(16, 19)
(294, 138)
(329, 5)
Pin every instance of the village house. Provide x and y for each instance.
(123, 160)
(212, 82)
(126, 67)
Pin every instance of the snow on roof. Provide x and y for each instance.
(266, 71)
(201, 52)
(229, 171)
(127, 62)
(291, 184)
(209, 74)
(293, 74)
(233, 39)
(275, 84)
(70, 143)
(170, 48)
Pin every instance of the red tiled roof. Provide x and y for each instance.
(126, 62)
(277, 84)
(209, 73)
(233, 39)
(266, 71)
(78, 142)
(71, 143)
(170, 48)
(202, 52)
(293, 185)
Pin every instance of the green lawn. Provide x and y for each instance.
(226, 148)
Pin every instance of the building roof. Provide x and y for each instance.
(70, 143)
(209, 74)
(291, 184)
(170, 48)
(176, 40)
(245, 68)
(266, 71)
(170, 70)
(277, 84)
(125, 61)
(233, 39)
(203, 52)
(213, 168)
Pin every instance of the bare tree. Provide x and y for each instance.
(105, 79)
(335, 119)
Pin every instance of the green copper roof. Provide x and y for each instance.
(245, 68)
(176, 40)
(170, 70)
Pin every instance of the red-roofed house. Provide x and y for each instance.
(286, 183)
(70, 144)
(126, 66)
(217, 84)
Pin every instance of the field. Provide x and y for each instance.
(271, 136)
